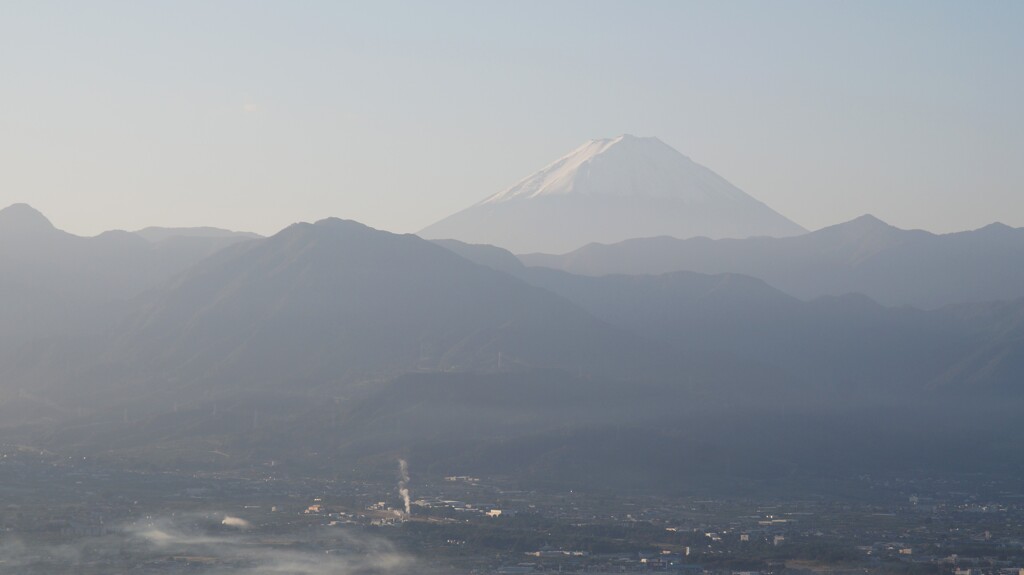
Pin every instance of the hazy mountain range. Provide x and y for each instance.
(850, 340)
(332, 343)
(53, 282)
(611, 190)
(865, 255)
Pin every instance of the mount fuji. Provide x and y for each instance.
(610, 190)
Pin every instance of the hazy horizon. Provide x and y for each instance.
(251, 116)
(573, 287)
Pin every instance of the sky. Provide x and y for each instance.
(253, 115)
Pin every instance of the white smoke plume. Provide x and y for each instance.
(224, 551)
(249, 554)
(403, 485)
(238, 522)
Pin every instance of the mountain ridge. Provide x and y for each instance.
(330, 345)
(61, 283)
(866, 255)
(21, 218)
(610, 190)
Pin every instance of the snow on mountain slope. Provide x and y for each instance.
(624, 166)
(610, 190)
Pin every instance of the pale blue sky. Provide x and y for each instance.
(253, 115)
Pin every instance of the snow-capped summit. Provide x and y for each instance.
(611, 190)
(623, 166)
